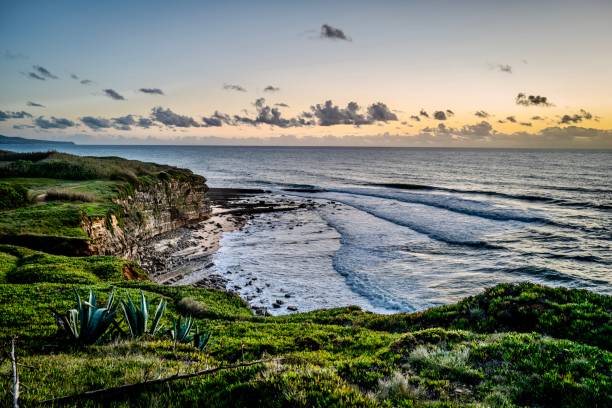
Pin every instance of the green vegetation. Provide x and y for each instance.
(343, 357)
(138, 317)
(12, 196)
(47, 197)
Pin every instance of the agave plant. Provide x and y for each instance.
(181, 329)
(137, 317)
(200, 340)
(87, 322)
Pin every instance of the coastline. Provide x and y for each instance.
(185, 256)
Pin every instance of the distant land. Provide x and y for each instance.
(23, 140)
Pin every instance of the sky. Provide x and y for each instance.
(390, 73)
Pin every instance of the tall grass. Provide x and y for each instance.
(66, 195)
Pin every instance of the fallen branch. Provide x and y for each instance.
(15, 376)
(112, 391)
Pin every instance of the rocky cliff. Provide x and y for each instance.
(146, 211)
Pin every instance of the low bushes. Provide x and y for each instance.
(13, 196)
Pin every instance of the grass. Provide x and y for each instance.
(325, 363)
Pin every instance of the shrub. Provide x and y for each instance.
(64, 195)
(190, 307)
(13, 196)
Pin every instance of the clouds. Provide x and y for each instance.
(332, 33)
(233, 87)
(151, 91)
(504, 68)
(96, 123)
(35, 105)
(267, 115)
(481, 114)
(416, 118)
(217, 119)
(439, 115)
(511, 119)
(271, 88)
(169, 118)
(53, 123)
(6, 115)
(532, 100)
(328, 114)
(379, 112)
(41, 73)
(576, 118)
(424, 113)
(86, 82)
(281, 105)
(111, 93)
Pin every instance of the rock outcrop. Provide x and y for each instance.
(147, 211)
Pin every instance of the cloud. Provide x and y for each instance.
(111, 93)
(532, 100)
(504, 68)
(169, 118)
(5, 115)
(332, 33)
(379, 112)
(271, 88)
(74, 76)
(482, 114)
(537, 117)
(511, 119)
(578, 117)
(414, 117)
(281, 105)
(233, 87)
(423, 113)
(153, 91)
(96, 123)
(86, 82)
(124, 122)
(528, 124)
(53, 123)
(450, 113)
(217, 119)
(33, 75)
(35, 105)
(267, 115)
(145, 123)
(42, 73)
(439, 115)
(329, 114)
(23, 126)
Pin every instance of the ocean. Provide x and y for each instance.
(403, 229)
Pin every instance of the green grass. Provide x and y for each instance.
(338, 357)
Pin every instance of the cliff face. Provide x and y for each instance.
(147, 211)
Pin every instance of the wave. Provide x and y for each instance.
(554, 275)
(452, 231)
(454, 204)
(521, 197)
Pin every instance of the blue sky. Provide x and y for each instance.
(438, 55)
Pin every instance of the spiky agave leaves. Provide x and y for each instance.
(87, 322)
(181, 329)
(200, 340)
(137, 317)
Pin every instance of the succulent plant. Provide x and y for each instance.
(137, 317)
(87, 322)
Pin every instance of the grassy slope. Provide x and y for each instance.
(96, 180)
(462, 354)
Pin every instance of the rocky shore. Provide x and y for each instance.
(184, 256)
